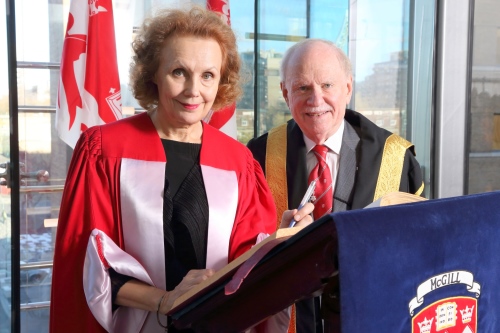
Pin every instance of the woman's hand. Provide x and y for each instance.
(192, 278)
(302, 217)
(139, 295)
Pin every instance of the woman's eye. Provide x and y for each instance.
(207, 76)
(178, 72)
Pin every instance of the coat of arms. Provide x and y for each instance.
(448, 315)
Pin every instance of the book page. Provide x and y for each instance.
(395, 198)
(283, 233)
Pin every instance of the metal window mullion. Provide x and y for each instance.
(452, 96)
(351, 45)
(38, 65)
(15, 300)
(256, 48)
(35, 306)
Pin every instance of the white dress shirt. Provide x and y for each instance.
(332, 156)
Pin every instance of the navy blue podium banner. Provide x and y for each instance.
(423, 267)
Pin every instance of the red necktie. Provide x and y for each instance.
(323, 193)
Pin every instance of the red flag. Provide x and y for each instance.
(222, 8)
(89, 86)
(224, 119)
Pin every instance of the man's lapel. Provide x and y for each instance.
(346, 176)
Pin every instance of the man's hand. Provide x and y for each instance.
(302, 217)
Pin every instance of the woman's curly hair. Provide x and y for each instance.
(197, 22)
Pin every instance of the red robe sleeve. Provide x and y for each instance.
(90, 200)
(256, 210)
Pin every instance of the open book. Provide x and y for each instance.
(228, 270)
(291, 264)
(395, 198)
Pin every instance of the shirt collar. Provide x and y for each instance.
(333, 143)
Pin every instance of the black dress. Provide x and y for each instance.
(185, 217)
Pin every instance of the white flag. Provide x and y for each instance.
(89, 86)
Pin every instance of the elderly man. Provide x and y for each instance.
(353, 161)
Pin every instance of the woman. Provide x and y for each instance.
(155, 203)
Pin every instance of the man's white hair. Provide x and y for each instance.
(342, 57)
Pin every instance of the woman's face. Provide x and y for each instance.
(188, 79)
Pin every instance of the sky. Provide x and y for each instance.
(31, 43)
(327, 17)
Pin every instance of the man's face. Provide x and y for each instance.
(317, 90)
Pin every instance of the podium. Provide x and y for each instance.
(424, 267)
(296, 268)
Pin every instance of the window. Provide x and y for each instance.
(498, 45)
(484, 155)
(496, 131)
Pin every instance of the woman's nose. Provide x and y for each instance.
(192, 88)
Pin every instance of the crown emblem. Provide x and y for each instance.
(467, 314)
(425, 325)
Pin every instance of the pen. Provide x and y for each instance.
(305, 199)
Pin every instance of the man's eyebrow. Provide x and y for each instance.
(299, 82)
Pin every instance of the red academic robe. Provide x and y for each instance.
(112, 216)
